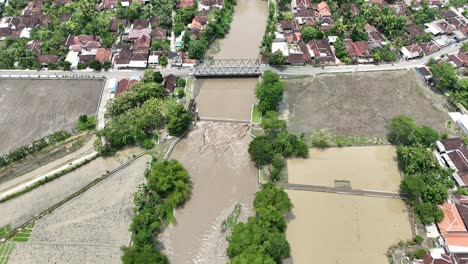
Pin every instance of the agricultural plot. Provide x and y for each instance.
(20, 209)
(5, 251)
(90, 228)
(32, 109)
(361, 104)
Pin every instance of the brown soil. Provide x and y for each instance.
(32, 109)
(361, 104)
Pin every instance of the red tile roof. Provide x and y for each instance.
(103, 55)
(125, 85)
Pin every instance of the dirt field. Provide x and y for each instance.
(226, 98)
(32, 109)
(215, 154)
(335, 228)
(366, 168)
(22, 208)
(361, 104)
(90, 228)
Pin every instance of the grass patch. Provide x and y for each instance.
(5, 230)
(231, 220)
(5, 252)
(20, 239)
(86, 122)
(256, 116)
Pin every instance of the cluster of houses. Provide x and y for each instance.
(117, 87)
(132, 48)
(452, 28)
(450, 236)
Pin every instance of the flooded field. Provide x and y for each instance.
(233, 98)
(226, 98)
(367, 168)
(215, 155)
(341, 228)
(344, 229)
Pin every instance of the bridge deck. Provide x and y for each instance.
(228, 68)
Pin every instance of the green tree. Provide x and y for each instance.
(276, 58)
(197, 49)
(178, 120)
(95, 65)
(261, 150)
(163, 61)
(415, 159)
(444, 76)
(401, 130)
(428, 213)
(414, 185)
(144, 255)
(269, 95)
(310, 33)
(435, 194)
(271, 195)
(170, 181)
(271, 122)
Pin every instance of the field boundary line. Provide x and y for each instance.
(14, 231)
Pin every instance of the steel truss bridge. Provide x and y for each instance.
(228, 68)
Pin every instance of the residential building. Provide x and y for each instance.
(454, 153)
(412, 51)
(46, 59)
(125, 85)
(170, 83)
(358, 51)
(320, 51)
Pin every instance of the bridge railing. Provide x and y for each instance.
(228, 67)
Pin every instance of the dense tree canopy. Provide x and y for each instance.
(261, 239)
(178, 120)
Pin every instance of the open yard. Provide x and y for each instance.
(335, 228)
(33, 108)
(361, 104)
(366, 168)
(230, 99)
(90, 228)
(215, 155)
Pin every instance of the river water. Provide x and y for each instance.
(216, 153)
(233, 98)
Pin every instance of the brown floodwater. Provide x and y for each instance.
(344, 229)
(233, 98)
(215, 155)
(366, 168)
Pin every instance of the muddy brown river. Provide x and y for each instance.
(233, 98)
(215, 153)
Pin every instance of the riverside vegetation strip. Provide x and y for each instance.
(168, 186)
(262, 239)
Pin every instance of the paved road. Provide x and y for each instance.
(289, 70)
(402, 64)
(315, 188)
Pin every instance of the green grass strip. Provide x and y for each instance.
(256, 117)
(46, 180)
(20, 239)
